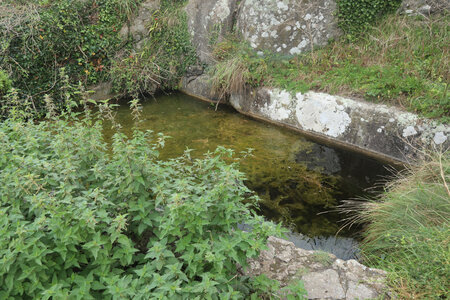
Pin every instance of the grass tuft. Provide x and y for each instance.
(237, 66)
(408, 231)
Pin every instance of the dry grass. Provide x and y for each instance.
(229, 76)
(237, 66)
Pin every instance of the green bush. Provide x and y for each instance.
(83, 219)
(36, 40)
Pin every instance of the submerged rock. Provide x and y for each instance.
(320, 158)
(342, 247)
(324, 276)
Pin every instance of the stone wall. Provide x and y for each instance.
(382, 131)
(285, 27)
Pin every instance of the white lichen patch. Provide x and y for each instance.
(279, 107)
(282, 6)
(409, 131)
(439, 138)
(295, 51)
(221, 11)
(321, 113)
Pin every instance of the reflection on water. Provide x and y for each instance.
(296, 179)
(342, 247)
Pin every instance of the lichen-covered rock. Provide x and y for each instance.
(424, 7)
(287, 26)
(324, 276)
(375, 128)
(137, 28)
(208, 22)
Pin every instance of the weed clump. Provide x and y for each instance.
(5, 83)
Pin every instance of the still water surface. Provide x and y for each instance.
(299, 181)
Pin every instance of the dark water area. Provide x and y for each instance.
(299, 181)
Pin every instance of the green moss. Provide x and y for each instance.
(294, 195)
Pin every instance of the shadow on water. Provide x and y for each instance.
(297, 180)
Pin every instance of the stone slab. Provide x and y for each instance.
(376, 129)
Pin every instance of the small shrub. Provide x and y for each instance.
(38, 38)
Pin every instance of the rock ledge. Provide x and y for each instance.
(324, 275)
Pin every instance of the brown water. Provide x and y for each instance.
(298, 181)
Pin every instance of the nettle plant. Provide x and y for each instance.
(83, 219)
